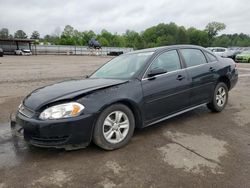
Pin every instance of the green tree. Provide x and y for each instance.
(159, 35)
(103, 41)
(68, 31)
(4, 33)
(35, 35)
(77, 36)
(171, 29)
(198, 37)
(182, 36)
(150, 36)
(133, 40)
(20, 34)
(163, 34)
(213, 28)
(118, 41)
(108, 36)
(223, 41)
(52, 39)
(165, 40)
(87, 36)
(67, 36)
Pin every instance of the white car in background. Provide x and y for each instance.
(223, 52)
(220, 51)
(23, 52)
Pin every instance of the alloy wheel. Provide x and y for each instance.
(116, 127)
(221, 96)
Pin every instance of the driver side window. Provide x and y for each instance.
(168, 61)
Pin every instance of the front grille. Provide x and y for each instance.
(26, 111)
(48, 140)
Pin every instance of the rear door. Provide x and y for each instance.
(201, 74)
(166, 93)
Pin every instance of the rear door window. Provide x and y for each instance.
(193, 57)
(211, 58)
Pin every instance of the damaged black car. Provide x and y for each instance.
(134, 90)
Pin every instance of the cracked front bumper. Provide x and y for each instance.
(71, 133)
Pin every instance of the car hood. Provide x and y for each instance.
(66, 90)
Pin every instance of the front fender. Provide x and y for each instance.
(129, 94)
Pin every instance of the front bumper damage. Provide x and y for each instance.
(69, 134)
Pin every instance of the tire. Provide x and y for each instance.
(114, 127)
(220, 98)
(248, 60)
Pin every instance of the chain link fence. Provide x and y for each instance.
(75, 50)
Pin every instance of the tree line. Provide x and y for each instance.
(159, 35)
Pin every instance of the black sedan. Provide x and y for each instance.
(134, 90)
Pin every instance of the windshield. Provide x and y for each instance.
(123, 67)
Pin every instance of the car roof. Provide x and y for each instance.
(163, 48)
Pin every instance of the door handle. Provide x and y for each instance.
(211, 69)
(180, 77)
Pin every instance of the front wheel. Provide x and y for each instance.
(114, 127)
(220, 98)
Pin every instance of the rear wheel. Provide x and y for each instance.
(114, 127)
(220, 98)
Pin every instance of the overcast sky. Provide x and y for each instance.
(120, 15)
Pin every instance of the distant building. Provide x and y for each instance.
(10, 45)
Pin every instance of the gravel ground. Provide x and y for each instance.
(196, 149)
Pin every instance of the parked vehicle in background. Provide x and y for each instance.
(115, 53)
(224, 52)
(220, 51)
(23, 52)
(232, 54)
(243, 57)
(94, 44)
(1, 52)
(134, 90)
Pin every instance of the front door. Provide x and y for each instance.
(166, 93)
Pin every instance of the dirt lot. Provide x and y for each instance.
(196, 149)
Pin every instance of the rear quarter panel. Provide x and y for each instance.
(227, 67)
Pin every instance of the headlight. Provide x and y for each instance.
(60, 111)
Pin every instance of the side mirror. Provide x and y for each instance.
(156, 71)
